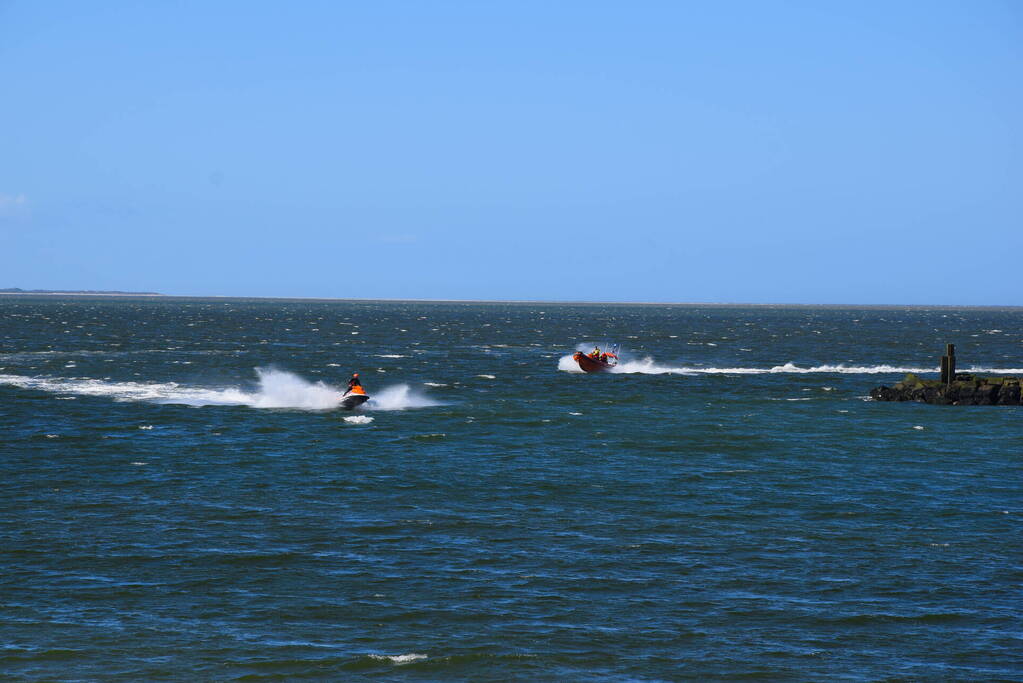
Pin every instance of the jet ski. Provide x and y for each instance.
(599, 363)
(353, 398)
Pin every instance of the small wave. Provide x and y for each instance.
(435, 384)
(358, 419)
(429, 437)
(487, 376)
(390, 355)
(400, 659)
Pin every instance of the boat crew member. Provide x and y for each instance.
(595, 353)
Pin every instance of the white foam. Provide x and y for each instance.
(359, 419)
(390, 355)
(997, 371)
(435, 384)
(568, 364)
(647, 366)
(280, 389)
(276, 389)
(399, 397)
(487, 376)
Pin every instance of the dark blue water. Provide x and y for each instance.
(728, 506)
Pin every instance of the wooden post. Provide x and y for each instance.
(948, 364)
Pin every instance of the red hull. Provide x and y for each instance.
(587, 364)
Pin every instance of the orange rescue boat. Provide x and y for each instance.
(594, 363)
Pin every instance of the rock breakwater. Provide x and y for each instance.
(964, 390)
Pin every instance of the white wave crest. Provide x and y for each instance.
(996, 371)
(358, 419)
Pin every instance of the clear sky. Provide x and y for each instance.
(805, 152)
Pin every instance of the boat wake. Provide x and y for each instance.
(274, 389)
(647, 366)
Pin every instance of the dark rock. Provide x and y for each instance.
(1009, 394)
(965, 390)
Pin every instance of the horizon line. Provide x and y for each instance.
(151, 295)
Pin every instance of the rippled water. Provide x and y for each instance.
(180, 501)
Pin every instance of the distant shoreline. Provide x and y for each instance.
(83, 292)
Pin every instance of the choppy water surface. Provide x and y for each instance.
(179, 501)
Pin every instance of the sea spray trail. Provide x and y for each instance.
(647, 366)
(399, 397)
(275, 389)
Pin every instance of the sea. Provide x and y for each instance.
(181, 499)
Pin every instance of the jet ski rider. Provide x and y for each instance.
(354, 385)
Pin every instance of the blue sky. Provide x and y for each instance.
(805, 152)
